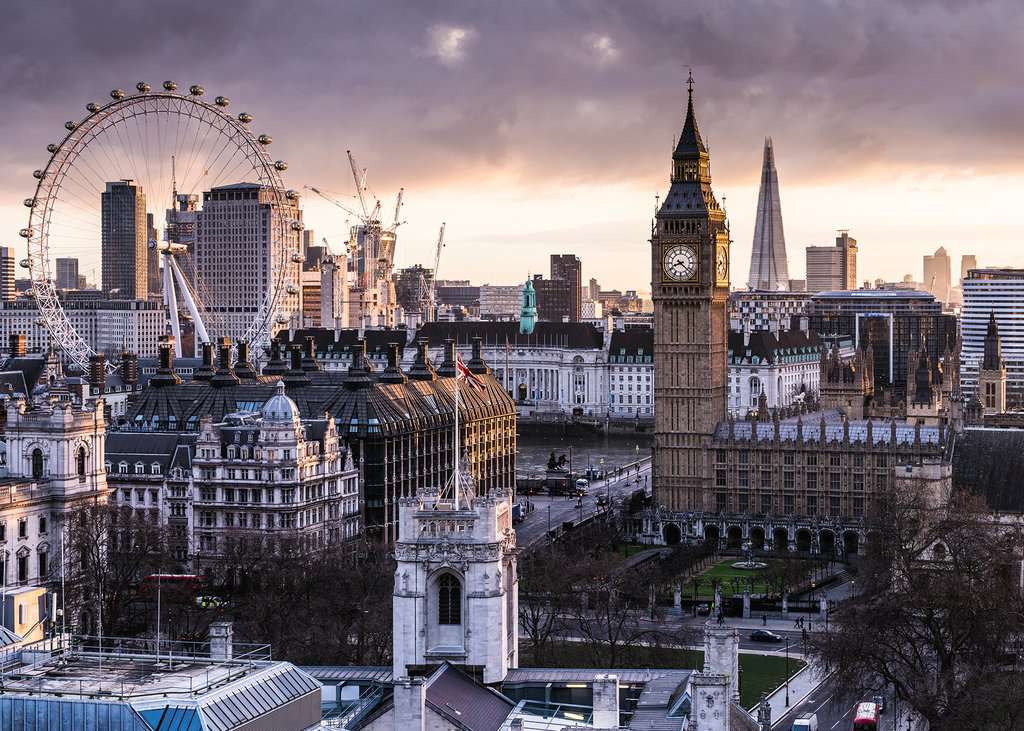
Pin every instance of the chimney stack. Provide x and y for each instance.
(393, 373)
(309, 355)
(165, 375)
(243, 368)
(276, 366)
(295, 376)
(448, 364)
(129, 368)
(224, 376)
(98, 373)
(205, 371)
(358, 375)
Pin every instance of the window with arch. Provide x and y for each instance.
(755, 390)
(80, 464)
(449, 600)
(37, 463)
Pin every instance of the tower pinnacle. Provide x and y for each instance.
(769, 269)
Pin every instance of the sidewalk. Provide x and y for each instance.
(801, 685)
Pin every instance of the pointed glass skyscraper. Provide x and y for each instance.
(768, 267)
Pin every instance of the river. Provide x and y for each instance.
(616, 449)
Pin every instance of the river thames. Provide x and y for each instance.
(587, 450)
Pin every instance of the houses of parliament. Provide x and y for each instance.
(802, 479)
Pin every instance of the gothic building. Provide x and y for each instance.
(992, 376)
(846, 383)
(690, 289)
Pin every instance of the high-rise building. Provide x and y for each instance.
(152, 258)
(690, 288)
(7, 286)
(236, 251)
(569, 268)
(832, 268)
(334, 291)
(998, 292)
(67, 273)
(937, 274)
(769, 269)
(500, 301)
(594, 290)
(555, 299)
(125, 238)
(967, 263)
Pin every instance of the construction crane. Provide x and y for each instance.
(432, 291)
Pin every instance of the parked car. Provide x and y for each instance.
(763, 635)
(704, 609)
(806, 722)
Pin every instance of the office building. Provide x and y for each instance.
(412, 285)
(896, 324)
(769, 268)
(125, 241)
(937, 276)
(500, 302)
(155, 286)
(758, 310)
(243, 233)
(556, 299)
(67, 273)
(831, 268)
(8, 288)
(967, 263)
(568, 268)
(998, 292)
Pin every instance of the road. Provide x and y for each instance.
(835, 711)
(552, 511)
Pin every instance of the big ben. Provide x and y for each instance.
(690, 289)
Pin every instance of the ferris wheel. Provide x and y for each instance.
(220, 253)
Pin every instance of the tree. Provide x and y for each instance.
(939, 615)
(110, 551)
(542, 598)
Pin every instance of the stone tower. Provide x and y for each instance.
(690, 289)
(769, 269)
(992, 376)
(456, 588)
(847, 385)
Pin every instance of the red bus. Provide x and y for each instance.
(866, 717)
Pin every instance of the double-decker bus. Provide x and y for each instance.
(866, 717)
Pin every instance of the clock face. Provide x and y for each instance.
(680, 263)
(722, 266)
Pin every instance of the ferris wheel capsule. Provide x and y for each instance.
(117, 94)
(282, 319)
(70, 125)
(265, 139)
(143, 87)
(291, 194)
(30, 202)
(297, 258)
(196, 90)
(281, 165)
(38, 174)
(24, 264)
(222, 101)
(52, 147)
(170, 85)
(297, 226)
(244, 117)
(92, 107)
(26, 233)
(292, 289)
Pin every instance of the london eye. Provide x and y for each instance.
(220, 251)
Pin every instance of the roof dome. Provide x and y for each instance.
(279, 407)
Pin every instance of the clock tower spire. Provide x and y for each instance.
(690, 289)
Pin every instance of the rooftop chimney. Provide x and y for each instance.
(205, 371)
(165, 375)
(17, 345)
(295, 377)
(243, 368)
(448, 364)
(421, 369)
(276, 366)
(309, 355)
(129, 368)
(358, 375)
(222, 636)
(393, 373)
(224, 376)
(476, 363)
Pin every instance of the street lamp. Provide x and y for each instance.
(787, 672)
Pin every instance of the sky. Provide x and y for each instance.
(538, 127)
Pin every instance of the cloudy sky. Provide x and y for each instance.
(536, 127)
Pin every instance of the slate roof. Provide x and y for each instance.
(636, 341)
(811, 428)
(31, 368)
(571, 335)
(990, 462)
(16, 381)
(330, 342)
(768, 347)
(169, 449)
(465, 702)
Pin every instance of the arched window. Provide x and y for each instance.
(755, 391)
(37, 463)
(449, 600)
(80, 463)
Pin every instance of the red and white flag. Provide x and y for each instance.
(464, 374)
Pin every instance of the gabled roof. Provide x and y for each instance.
(770, 347)
(463, 701)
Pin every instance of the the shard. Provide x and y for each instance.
(768, 267)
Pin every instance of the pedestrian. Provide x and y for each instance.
(721, 618)
(796, 622)
(764, 620)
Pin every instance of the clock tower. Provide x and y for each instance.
(690, 289)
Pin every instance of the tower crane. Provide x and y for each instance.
(431, 292)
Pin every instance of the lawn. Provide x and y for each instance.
(758, 673)
(731, 579)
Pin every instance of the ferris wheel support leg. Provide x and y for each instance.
(171, 301)
(190, 303)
